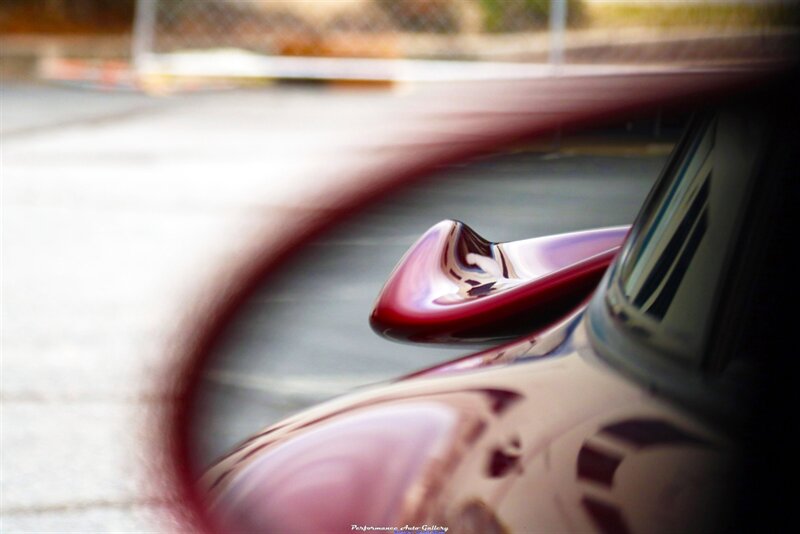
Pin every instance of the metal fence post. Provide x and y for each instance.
(558, 24)
(143, 32)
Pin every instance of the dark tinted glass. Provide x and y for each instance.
(669, 279)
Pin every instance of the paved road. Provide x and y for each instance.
(118, 209)
(29, 108)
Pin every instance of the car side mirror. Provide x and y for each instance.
(455, 286)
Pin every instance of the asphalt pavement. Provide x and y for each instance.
(117, 211)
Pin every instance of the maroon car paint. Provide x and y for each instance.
(550, 444)
(454, 285)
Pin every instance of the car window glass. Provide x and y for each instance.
(670, 276)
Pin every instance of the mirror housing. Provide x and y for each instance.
(455, 286)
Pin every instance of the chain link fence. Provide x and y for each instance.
(518, 31)
(426, 29)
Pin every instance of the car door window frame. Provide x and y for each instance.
(622, 343)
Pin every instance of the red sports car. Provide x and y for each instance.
(636, 381)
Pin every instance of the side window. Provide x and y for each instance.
(666, 250)
(670, 274)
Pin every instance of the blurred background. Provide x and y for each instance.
(155, 44)
(150, 145)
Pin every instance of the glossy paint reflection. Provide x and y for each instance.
(544, 342)
(554, 443)
(337, 469)
(454, 285)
